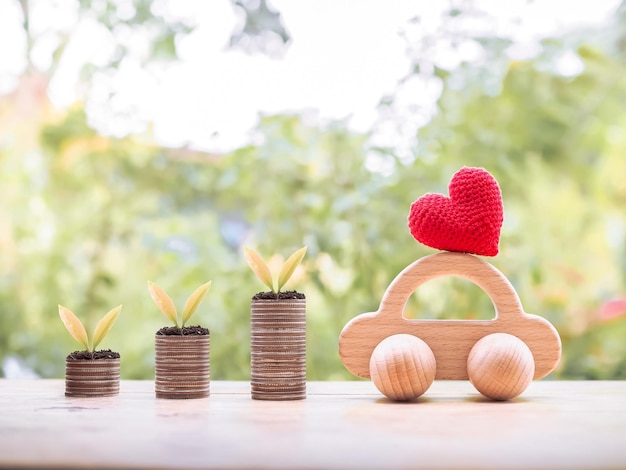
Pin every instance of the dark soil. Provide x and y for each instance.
(287, 295)
(185, 331)
(93, 356)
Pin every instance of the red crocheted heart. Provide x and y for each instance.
(468, 221)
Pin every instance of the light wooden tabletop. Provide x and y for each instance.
(340, 425)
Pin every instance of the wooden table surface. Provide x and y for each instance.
(340, 425)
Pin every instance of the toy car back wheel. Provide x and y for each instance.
(402, 367)
(500, 366)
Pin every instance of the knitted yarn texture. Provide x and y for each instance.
(468, 221)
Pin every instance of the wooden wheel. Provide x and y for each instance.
(402, 367)
(500, 366)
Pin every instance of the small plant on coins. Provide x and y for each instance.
(79, 333)
(262, 270)
(166, 305)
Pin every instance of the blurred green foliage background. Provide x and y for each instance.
(86, 220)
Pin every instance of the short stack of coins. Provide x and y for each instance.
(278, 349)
(182, 366)
(92, 378)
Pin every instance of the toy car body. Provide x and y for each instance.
(449, 340)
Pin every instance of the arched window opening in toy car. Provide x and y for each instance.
(449, 298)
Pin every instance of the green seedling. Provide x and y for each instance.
(166, 305)
(262, 270)
(78, 331)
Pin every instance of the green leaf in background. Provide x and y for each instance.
(104, 325)
(74, 326)
(290, 266)
(163, 301)
(259, 267)
(194, 300)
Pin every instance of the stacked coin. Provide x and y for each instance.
(278, 349)
(182, 367)
(92, 378)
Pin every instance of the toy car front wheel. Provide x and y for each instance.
(500, 366)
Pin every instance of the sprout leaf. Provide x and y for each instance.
(104, 325)
(194, 300)
(290, 266)
(74, 326)
(259, 267)
(163, 301)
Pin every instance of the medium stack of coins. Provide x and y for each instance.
(92, 378)
(278, 349)
(182, 366)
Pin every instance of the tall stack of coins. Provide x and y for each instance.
(278, 349)
(92, 378)
(182, 366)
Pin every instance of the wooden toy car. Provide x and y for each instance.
(403, 356)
